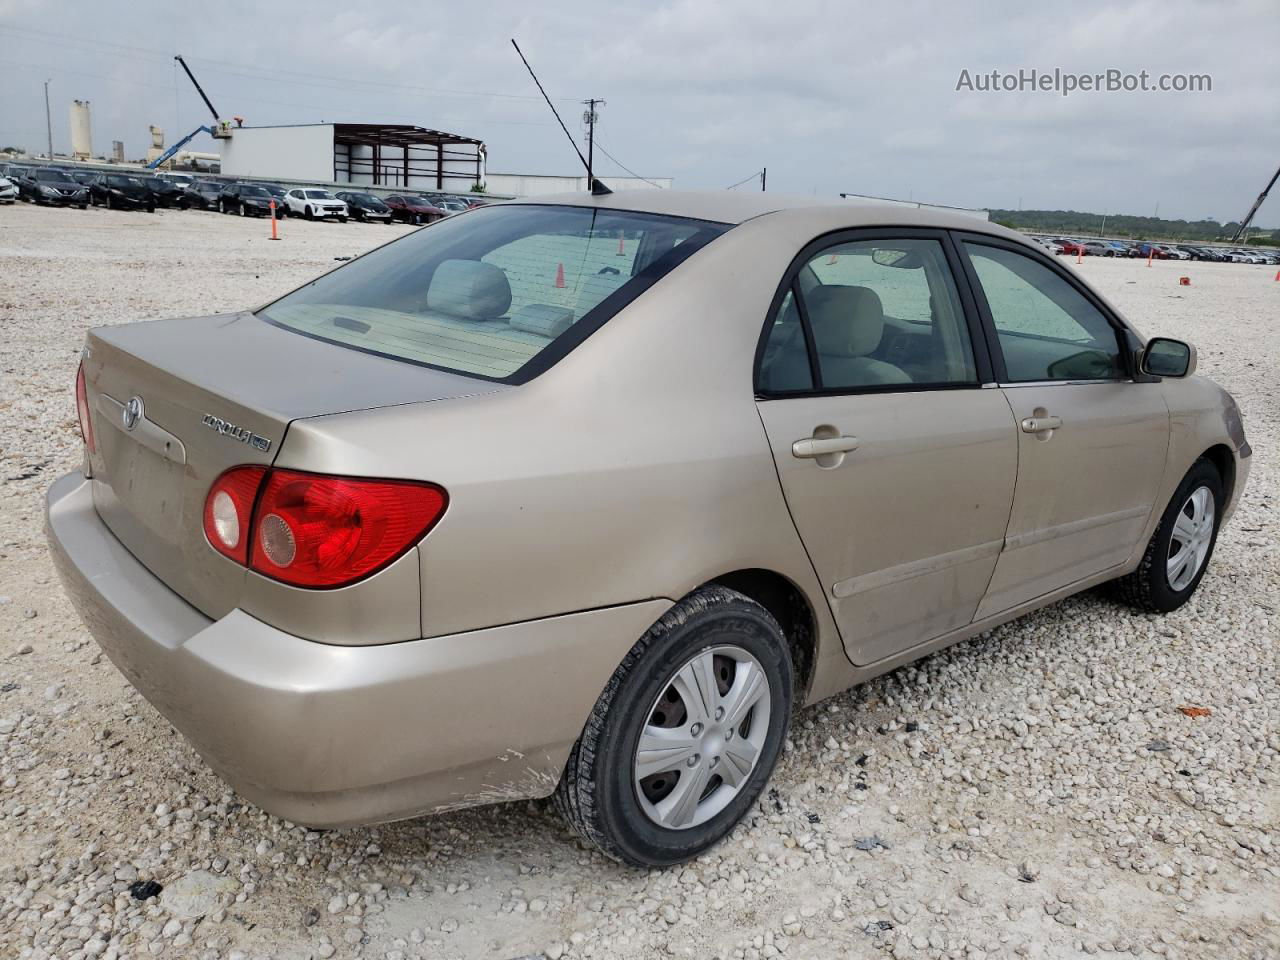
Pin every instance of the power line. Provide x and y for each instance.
(253, 72)
(754, 176)
(601, 148)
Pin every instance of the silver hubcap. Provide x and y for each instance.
(1192, 535)
(702, 738)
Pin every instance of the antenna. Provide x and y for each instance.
(597, 188)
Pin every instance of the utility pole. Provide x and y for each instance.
(48, 122)
(589, 118)
(764, 172)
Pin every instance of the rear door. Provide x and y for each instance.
(897, 463)
(1091, 440)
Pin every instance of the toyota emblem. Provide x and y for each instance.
(132, 413)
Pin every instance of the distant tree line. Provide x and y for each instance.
(1071, 222)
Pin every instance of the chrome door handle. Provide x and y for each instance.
(812, 447)
(1041, 424)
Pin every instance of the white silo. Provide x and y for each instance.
(81, 135)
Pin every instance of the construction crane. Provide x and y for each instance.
(1244, 225)
(219, 129)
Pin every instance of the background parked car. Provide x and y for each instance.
(1150, 249)
(51, 186)
(313, 203)
(167, 193)
(247, 200)
(8, 190)
(277, 194)
(116, 191)
(204, 194)
(366, 208)
(1099, 248)
(412, 209)
(1072, 247)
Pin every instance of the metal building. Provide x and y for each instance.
(390, 155)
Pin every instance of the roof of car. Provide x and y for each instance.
(727, 206)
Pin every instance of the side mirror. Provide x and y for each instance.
(1165, 357)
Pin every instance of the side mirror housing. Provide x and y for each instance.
(1166, 357)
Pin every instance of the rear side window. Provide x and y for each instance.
(498, 293)
(875, 314)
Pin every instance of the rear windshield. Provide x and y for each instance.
(500, 293)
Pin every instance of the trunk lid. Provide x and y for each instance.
(177, 402)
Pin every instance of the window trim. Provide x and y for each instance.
(578, 332)
(790, 279)
(1126, 340)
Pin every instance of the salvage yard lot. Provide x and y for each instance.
(1036, 791)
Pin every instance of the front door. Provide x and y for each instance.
(1091, 441)
(897, 465)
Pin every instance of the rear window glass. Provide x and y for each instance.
(486, 294)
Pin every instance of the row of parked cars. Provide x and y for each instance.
(1159, 251)
(59, 186)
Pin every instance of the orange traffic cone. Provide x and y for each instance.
(560, 276)
(1278, 276)
(1151, 252)
(1079, 254)
(1184, 281)
(272, 208)
(622, 244)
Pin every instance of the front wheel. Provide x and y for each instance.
(685, 735)
(1180, 549)
(342, 219)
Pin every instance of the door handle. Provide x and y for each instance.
(812, 447)
(1041, 424)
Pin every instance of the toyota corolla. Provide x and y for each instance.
(582, 496)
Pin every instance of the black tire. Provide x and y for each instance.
(597, 794)
(83, 206)
(1148, 587)
(241, 211)
(307, 214)
(342, 219)
(109, 206)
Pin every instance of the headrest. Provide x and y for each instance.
(543, 319)
(470, 289)
(846, 321)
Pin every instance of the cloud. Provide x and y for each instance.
(829, 96)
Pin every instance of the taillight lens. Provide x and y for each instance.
(82, 411)
(313, 530)
(228, 511)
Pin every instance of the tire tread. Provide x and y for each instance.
(575, 795)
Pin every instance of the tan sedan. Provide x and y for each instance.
(582, 496)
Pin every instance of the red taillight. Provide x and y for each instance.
(312, 530)
(82, 411)
(228, 511)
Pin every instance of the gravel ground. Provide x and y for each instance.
(1034, 792)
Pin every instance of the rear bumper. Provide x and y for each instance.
(334, 735)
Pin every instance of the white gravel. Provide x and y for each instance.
(1032, 793)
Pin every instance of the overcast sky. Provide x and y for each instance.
(830, 97)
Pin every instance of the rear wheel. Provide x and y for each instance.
(685, 735)
(1180, 549)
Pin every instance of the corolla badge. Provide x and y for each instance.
(131, 413)
(221, 426)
